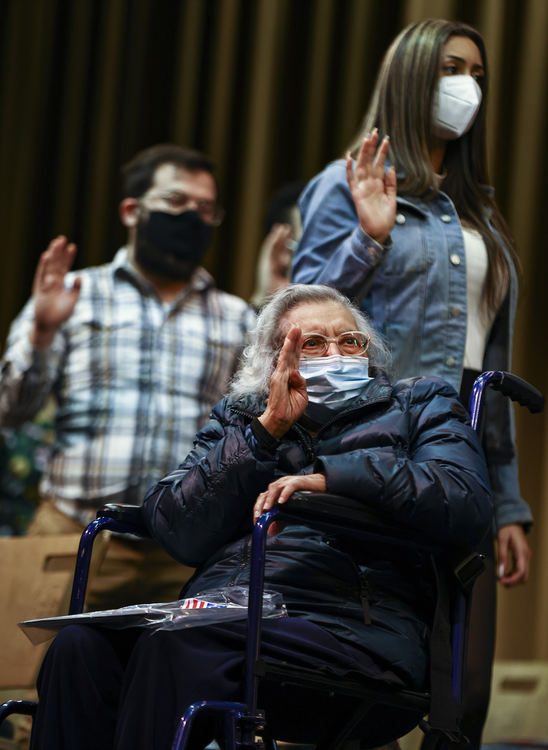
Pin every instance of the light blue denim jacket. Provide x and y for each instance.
(414, 292)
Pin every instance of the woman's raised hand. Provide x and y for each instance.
(287, 398)
(373, 188)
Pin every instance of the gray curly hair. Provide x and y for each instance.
(259, 358)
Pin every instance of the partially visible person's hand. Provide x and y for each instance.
(53, 304)
(287, 398)
(373, 188)
(279, 491)
(513, 555)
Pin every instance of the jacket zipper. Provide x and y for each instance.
(307, 441)
(242, 412)
(244, 561)
(364, 591)
(364, 597)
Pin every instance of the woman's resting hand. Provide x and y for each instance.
(513, 555)
(281, 490)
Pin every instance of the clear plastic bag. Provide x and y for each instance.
(210, 608)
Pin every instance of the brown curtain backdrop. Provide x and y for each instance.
(272, 90)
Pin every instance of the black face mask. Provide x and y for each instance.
(172, 245)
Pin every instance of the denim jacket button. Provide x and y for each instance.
(455, 311)
(455, 259)
(400, 219)
(450, 361)
(445, 218)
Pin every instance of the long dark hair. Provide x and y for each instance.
(401, 106)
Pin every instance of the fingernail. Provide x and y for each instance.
(501, 570)
(386, 138)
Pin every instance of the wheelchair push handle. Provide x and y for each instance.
(510, 385)
(521, 391)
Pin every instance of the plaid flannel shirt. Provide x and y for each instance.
(134, 379)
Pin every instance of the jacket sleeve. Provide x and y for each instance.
(333, 248)
(510, 507)
(436, 483)
(208, 501)
(28, 374)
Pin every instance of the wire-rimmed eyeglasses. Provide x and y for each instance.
(348, 343)
(175, 202)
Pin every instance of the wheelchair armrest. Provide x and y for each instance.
(130, 514)
(333, 506)
(124, 519)
(352, 518)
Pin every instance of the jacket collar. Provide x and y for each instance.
(377, 390)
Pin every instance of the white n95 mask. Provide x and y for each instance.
(456, 105)
(333, 381)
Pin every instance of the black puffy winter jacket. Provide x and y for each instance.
(405, 450)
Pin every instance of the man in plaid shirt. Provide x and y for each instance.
(135, 352)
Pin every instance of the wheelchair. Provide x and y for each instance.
(246, 726)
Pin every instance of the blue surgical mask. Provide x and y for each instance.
(332, 382)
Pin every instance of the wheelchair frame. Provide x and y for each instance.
(243, 721)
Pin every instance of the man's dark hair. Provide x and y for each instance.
(138, 173)
(282, 201)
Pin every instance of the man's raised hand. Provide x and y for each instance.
(53, 303)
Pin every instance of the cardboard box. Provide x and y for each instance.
(518, 709)
(519, 702)
(36, 581)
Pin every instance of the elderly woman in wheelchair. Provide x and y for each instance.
(310, 409)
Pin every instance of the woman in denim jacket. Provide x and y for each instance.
(423, 249)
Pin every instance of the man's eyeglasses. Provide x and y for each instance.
(348, 343)
(175, 202)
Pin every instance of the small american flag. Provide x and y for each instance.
(198, 604)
